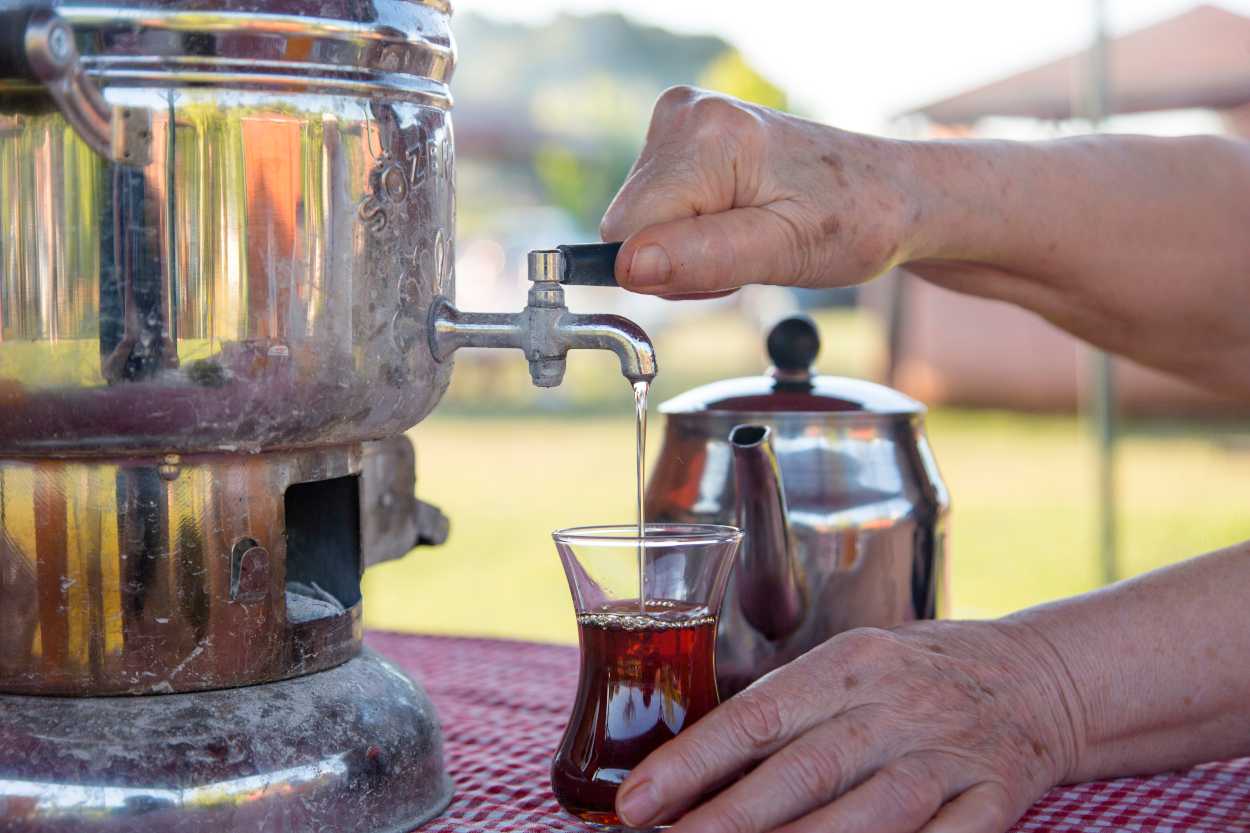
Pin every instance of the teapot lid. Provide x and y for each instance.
(791, 387)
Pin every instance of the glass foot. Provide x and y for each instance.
(608, 822)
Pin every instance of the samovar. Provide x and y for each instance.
(226, 290)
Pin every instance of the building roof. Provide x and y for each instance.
(1199, 59)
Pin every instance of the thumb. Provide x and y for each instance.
(711, 253)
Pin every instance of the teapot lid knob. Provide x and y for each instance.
(792, 345)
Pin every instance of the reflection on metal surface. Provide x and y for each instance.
(115, 577)
(228, 295)
(382, 47)
(392, 520)
(197, 349)
(51, 59)
(353, 748)
(264, 280)
(51, 800)
(866, 509)
(842, 506)
(770, 585)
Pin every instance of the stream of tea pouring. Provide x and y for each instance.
(640, 419)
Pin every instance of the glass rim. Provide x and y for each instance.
(657, 535)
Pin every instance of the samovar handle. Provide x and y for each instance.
(36, 44)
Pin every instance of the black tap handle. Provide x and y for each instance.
(794, 343)
(13, 60)
(589, 264)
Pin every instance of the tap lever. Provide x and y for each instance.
(589, 264)
(545, 330)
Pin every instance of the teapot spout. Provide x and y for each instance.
(768, 582)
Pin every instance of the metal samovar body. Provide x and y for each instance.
(226, 290)
(260, 279)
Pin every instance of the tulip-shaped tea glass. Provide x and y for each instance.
(647, 610)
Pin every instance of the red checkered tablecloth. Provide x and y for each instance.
(504, 704)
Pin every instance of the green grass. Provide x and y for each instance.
(509, 464)
(1023, 527)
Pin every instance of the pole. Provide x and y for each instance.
(1101, 373)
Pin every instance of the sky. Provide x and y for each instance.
(855, 64)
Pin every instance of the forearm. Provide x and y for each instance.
(1138, 245)
(1156, 669)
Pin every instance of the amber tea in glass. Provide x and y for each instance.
(647, 665)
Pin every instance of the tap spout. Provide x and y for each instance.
(546, 331)
(623, 337)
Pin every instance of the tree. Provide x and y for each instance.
(729, 73)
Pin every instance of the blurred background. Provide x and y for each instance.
(553, 99)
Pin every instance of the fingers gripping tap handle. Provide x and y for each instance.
(590, 264)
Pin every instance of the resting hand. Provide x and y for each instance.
(935, 727)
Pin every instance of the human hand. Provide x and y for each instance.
(727, 193)
(935, 726)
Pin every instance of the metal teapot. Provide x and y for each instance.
(836, 488)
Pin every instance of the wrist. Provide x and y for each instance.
(1059, 705)
(951, 184)
(893, 193)
(926, 227)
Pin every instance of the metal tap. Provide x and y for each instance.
(545, 329)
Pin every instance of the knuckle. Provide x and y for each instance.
(692, 761)
(797, 244)
(817, 772)
(912, 783)
(723, 119)
(694, 112)
(676, 96)
(864, 643)
(613, 222)
(758, 719)
(716, 256)
(997, 803)
(711, 106)
(733, 817)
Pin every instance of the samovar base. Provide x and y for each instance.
(355, 749)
